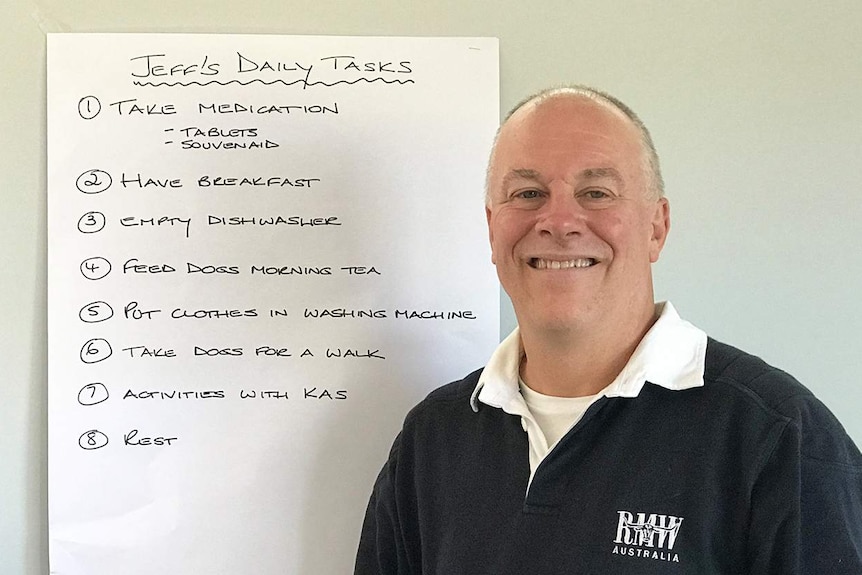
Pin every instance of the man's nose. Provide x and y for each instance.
(561, 216)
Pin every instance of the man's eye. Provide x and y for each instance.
(595, 194)
(528, 194)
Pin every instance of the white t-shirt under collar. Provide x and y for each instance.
(671, 354)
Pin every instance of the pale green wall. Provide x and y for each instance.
(754, 106)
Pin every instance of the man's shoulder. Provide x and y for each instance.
(455, 394)
(445, 424)
(767, 384)
(455, 390)
(778, 395)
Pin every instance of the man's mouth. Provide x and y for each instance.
(544, 264)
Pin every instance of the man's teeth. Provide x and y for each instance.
(541, 264)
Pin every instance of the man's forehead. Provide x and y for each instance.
(586, 174)
(568, 112)
(561, 126)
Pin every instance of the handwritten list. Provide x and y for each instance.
(262, 251)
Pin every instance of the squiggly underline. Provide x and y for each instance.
(304, 82)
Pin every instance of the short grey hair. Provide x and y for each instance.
(652, 168)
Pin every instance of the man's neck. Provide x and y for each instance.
(576, 363)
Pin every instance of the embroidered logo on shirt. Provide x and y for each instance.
(647, 535)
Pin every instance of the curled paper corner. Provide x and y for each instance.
(47, 23)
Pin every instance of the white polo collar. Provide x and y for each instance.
(672, 354)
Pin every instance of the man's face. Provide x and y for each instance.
(573, 227)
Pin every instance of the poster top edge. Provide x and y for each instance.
(493, 39)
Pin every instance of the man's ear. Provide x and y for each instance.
(660, 228)
(490, 233)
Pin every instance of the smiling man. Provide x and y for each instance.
(605, 434)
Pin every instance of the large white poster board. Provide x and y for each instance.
(262, 251)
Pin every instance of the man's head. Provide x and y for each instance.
(576, 212)
(651, 161)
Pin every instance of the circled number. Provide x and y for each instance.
(91, 222)
(92, 394)
(94, 181)
(95, 312)
(89, 107)
(96, 350)
(95, 268)
(93, 439)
